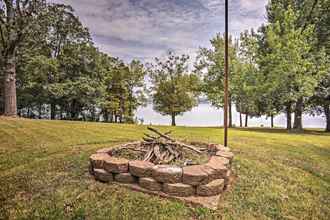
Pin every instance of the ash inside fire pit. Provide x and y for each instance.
(160, 148)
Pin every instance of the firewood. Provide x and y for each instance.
(149, 155)
(168, 159)
(160, 134)
(188, 146)
(157, 152)
(168, 132)
(149, 140)
(162, 148)
(174, 141)
(150, 136)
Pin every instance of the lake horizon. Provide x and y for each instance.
(205, 115)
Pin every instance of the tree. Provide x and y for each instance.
(16, 24)
(125, 91)
(59, 73)
(321, 100)
(210, 66)
(136, 87)
(245, 84)
(291, 65)
(62, 28)
(175, 91)
(310, 14)
(80, 83)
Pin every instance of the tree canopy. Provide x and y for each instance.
(175, 90)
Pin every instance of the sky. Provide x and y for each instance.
(144, 29)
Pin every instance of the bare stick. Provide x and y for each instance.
(160, 134)
(171, 139)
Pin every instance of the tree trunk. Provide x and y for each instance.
(240, 120)
(297, 125)
(111, 117)
(288, 117)
(272, 121)
(28, 112)
(52, 111)
(10, 102)
(106, 116)
(2, 109)
(61, 112)
(173, 119)
(327, 115)
(120, 118)
(246, 119)
(116, 117)
(40, 111)
(230, 114)
(93, 114)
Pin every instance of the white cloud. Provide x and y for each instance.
(253, 5)
(147, 28)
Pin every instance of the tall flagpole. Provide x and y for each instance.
(226, 77)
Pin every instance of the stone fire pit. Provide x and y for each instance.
(197, 184)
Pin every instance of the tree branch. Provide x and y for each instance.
(309, 17)
(18, 6)
(2, 36)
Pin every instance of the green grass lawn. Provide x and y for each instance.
(44, 174)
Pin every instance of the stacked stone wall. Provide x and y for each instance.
(208, 179)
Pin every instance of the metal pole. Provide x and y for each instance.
(226, 77)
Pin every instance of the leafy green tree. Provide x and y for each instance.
(60, 73)
(313, 15)
(291, 65)
(320, 17)
(17, 19)
(136, 87)
(34, 82)
(245, 82)
(320, 101)
(174, 89)
(80, 81)
(125, 91)
(62, 28)
(210, 66)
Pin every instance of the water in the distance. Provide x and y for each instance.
(206, 115)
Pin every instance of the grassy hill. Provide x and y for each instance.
(44, 174)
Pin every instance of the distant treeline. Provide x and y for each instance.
(50, 68)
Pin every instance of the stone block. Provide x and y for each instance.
(216, 163)
(140, 168)
(198, 174)
(97, 160)
(227, 155)
(167, 173)
(228, 176)
(217, 147)
(116, 165)
(213, 188)
(150, 184)
(179, 189)
(102, 175)
(125, 178)
(219, 160)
